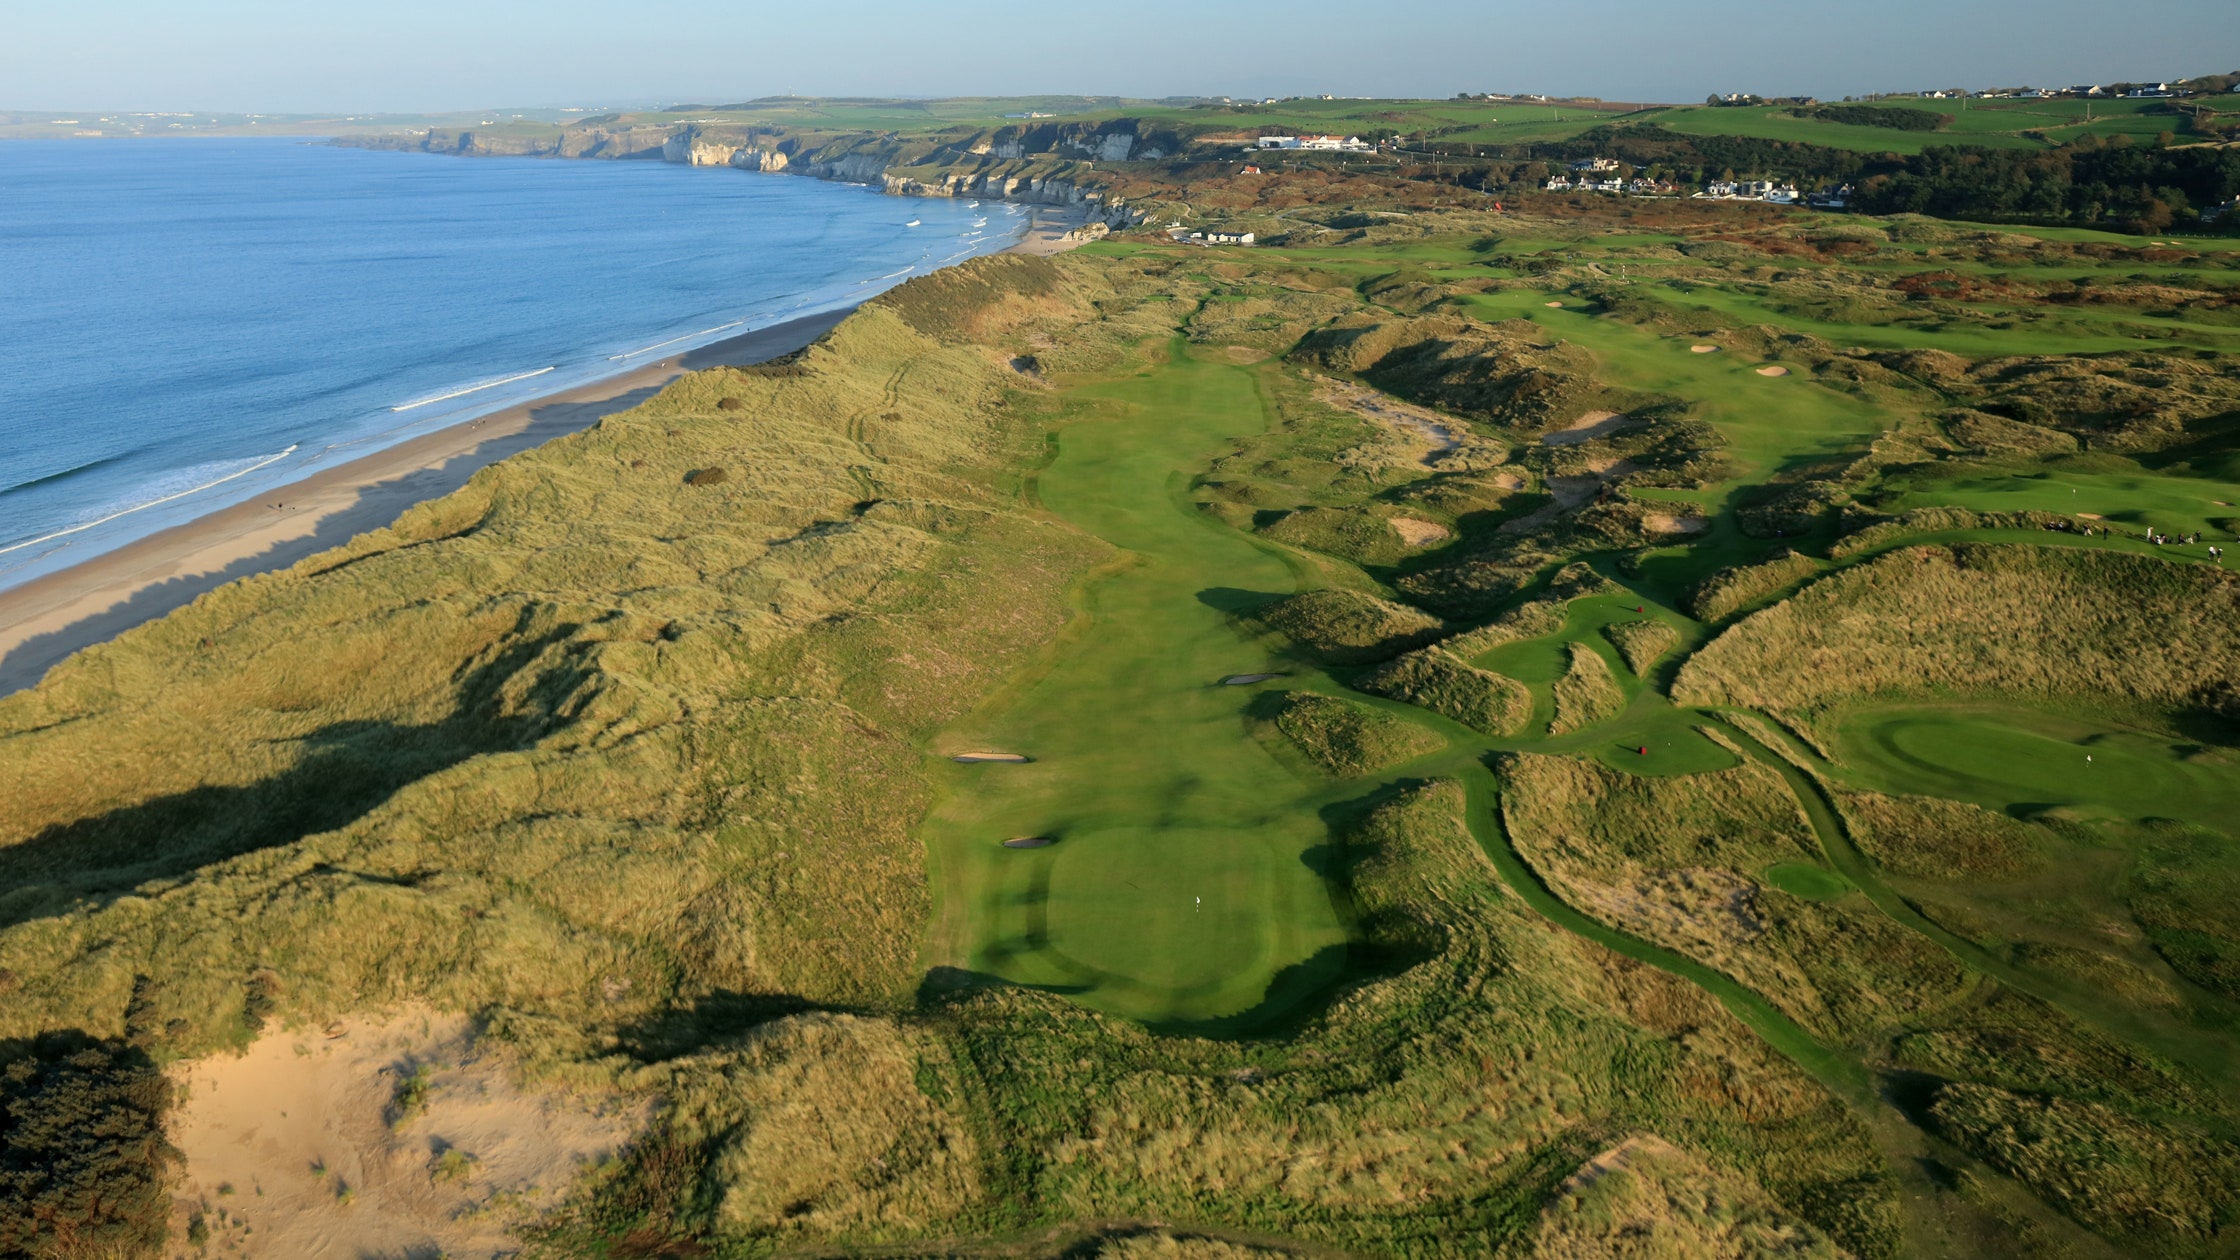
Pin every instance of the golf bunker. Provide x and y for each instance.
(976, 758)
(1773, 371)
(1243, 680)
(1703, 349)
(1030, 842)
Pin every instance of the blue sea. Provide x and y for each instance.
(188, 323)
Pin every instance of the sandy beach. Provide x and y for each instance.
(48, 618)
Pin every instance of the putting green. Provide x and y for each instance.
(2006, 758)
(1179, 887)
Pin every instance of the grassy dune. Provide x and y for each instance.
(1688, 844)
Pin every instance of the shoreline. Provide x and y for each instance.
(47, 619)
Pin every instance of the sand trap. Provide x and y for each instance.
(1030, 842)
(1588, 427)
(1240, 680)
(1663, 523)
(1417, 533)
(2095, 516)
(1773, 371)
(1703, 349)
(974, 758)
(293, 1143)
(1555, 303)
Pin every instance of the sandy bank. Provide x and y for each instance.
(48, 618)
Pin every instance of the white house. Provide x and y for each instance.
(1597, 166)
(1222, 237)
(1559, 183)
(1280, 142)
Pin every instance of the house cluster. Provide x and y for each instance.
(1215, 236)
(2088, 91)
(1328, 144)
(1780, 194)
(1638, 186)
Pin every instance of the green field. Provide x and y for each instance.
(1179, 886)
(1998, 124)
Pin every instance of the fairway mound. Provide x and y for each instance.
(1588, 427)
(1417, 533)
(1702, 349)
(1455, 689)
(1030, 842)
(1244, 680)
(1349, 628)
(1773, 370)
(1345, 739)
(974, 758)
(2094, 625)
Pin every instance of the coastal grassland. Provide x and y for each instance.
(2076, 625)
(1444, 683)
(1347, 739)
(652, 776)
(1587, 693)
(579, 729)
(1642, 643)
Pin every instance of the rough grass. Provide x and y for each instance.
(2152, 1185)
(1447, 685)
(1642, 643)
(1347, 739)
(1930, 838)
(1677, 860)
(1728, 591)
(1645, 1199)
(576, 731)
(1339, 627)
(2073, 625)
(1586, 694)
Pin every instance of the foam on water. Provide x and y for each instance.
(193, 322)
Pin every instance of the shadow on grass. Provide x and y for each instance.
(345, 770)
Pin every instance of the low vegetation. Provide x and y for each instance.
(1347, 739)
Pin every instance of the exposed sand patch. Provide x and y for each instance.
(1417, 533)
(1773, 370)
(1437, 432)
(1572, 493)
(1555, 304)
(1665, 523)
(972, 758)
(1616, 1159)
(2095, 516)
(1703, 349)
(293, 1143)
(1588, 427)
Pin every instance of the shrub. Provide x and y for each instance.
(706, 477)
(730, 404)
(82, 1157)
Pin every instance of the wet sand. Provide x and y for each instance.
(48, 618)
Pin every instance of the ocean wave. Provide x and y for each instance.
(64, 475)
(175, 496)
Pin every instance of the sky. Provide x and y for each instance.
(310, 56)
